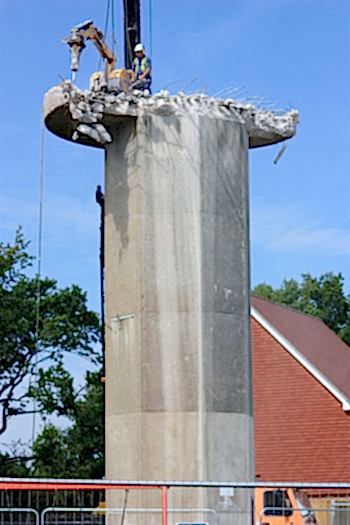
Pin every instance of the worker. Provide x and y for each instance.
(142, 69)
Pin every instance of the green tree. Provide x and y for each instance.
(322, 297)
(15, 462)
(76, 451)
(40, 324)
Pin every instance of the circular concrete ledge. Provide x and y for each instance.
(84, 117)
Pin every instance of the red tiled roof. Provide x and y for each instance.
(301, 430)
(313, 339)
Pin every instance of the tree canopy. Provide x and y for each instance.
(323, 297)
(77, 451)
(40, 324)
(74, 451)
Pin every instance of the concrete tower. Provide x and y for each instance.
(178, 358)
(178, 365)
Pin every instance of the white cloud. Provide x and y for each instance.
(281, 229)
(330, 241)
(65, 218)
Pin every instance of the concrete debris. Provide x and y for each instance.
(105, 137)
(96, 132)
(89, 108)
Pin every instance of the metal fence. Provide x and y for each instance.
(85, 502)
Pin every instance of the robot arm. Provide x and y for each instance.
(76, 42)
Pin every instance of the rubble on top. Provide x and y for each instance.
(88, 109)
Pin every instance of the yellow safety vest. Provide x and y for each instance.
(137, 68)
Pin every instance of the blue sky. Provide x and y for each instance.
(292, 52)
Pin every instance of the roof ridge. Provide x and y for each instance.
(287, 307)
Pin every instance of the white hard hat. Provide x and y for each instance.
(139, 47)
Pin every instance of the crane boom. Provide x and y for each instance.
(87, 31)
(132, 29)
(95, 35)
(114, 79)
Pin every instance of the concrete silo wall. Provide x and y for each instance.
(178, 379)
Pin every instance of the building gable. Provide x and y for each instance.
(302, 359)
(301, 431)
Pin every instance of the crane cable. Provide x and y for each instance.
(38, 270)
(107, 17)
(150, 15)
(113, 28)
(105, 30)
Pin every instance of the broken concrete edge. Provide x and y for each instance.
(79, 115)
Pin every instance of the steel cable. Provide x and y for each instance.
(38, 271)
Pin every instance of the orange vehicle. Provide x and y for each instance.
(282, 507)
